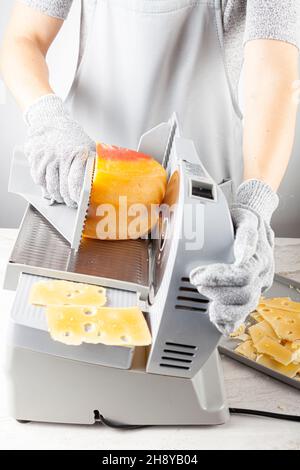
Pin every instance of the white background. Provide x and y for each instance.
(62, 60)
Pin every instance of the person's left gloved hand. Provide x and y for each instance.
(235, 289)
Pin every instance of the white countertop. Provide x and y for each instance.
(245, 387)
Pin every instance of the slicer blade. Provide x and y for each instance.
(158, 142)
(67, 221)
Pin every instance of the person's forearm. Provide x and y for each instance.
(270, 108)
(28, 36)
(24, 70)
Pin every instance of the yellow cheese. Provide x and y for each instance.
(295, 350)
(256, 316)
(260, 330)
(243, 337)
(74, 325)
(272, 348)
(290, 370)
(295, 344)
(58, 292)
(239, 331)
(285, 324)
(283, 303)
(247, 349)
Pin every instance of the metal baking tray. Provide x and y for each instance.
(282, 287)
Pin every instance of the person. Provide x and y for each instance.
(139, 61)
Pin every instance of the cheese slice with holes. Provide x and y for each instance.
(285, 324)
(272, 348)
(260, 330)
(74, 325)
(283, 303)
(59, 292)
(290, 370)
(247, 349)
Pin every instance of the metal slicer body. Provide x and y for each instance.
(178, 380)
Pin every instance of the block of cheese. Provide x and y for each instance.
(286, 324)
(128, 188)
(283, 303)
(272, 348)
(260, 330)
(290, 370)
(74, 325)
(247, 349)
(59, 292)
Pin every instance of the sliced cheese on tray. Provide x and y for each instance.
(74, 325)
(243, 337)
(272, 348)
(260, 330)
(290, 370)
(239, 331)
(285, 324)
(274, 336)
(59, 292)
(283, 303)
(247, 349)
(256, 316)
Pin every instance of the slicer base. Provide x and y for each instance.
(48, 388)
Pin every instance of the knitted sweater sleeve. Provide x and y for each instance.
(56, 8)
(273, 19)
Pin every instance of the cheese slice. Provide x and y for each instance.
(283, 303)
(295, 344)
(247, 349)
(290, 370)
(243, 337)
(239, 331)
(272, 348)
(294, 350)
(59, 292)
(285, 324)
(260, 330)
(256, 316)
(74, 325)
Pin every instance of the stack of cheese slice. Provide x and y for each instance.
(76, 314)
(274, 338)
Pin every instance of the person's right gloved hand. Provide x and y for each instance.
(57, 149)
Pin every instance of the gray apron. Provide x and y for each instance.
(145, 59)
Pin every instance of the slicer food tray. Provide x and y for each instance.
(23, 313)
(30, 329)
(282, 287)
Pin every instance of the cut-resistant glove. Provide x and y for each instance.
(57, 149)
(234, 289)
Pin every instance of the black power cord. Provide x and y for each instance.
(128, 427)
(232, 411)
(266, 414)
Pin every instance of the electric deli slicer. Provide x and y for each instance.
(176, 381)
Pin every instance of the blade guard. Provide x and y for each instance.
(67, 221)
